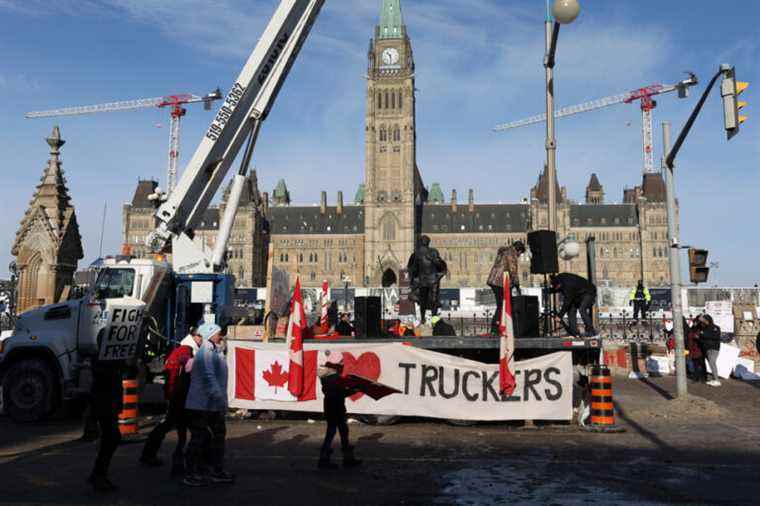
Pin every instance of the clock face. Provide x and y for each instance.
(390, 56)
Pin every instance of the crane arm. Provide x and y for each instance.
(247, 104)
(566, 111)
(126, 105)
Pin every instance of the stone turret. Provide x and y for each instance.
(48, 245)
(436, 194)
(281, 195)
(594, 191)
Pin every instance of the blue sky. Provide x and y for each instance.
(478, 64)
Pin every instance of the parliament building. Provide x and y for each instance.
(371, 238)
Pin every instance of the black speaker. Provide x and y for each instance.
(543, 251)
(525, 316)
(367, 316)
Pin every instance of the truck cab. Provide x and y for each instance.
(47, 356)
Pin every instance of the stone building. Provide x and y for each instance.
(47, 245)
(371, 239)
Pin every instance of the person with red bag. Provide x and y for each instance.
(176, 386)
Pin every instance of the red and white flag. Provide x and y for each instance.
(325, 303)
(265, 375)
(507, 382)
(296, 331)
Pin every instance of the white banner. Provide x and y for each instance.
(432, 384)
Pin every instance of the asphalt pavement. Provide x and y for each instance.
(703, 451)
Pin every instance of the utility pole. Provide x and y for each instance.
(551, 143)
(675, 265)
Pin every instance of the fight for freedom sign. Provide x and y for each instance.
(432, 384)
(121, 333)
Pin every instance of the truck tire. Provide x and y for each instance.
(29, 390)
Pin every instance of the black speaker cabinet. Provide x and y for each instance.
(525, 316)
(543, 251)
(367, 316)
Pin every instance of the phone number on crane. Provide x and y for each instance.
(225, 113)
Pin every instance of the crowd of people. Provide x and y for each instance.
(702, 340)
(195, 390)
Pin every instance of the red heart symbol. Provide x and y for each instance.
(367, 366)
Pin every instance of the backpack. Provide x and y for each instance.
(176, 380)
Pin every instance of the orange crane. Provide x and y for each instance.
(176, 112)
(644, 94)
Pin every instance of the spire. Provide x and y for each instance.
(281, 195)
(391, 20)
(51, 198)
(360, 194)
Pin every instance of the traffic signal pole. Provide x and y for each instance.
(675, 267)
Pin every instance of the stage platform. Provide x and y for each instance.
(477, 342)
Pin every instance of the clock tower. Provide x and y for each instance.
(393, 185)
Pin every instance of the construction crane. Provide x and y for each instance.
(647, 105)
(175, 104)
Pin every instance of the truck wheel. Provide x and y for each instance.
(29, 390)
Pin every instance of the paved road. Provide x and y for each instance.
(698, 453)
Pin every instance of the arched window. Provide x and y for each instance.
(387, 101)
(300, 257)
(383, 134)
(316, 258)
(389, 227)
(396, 134)
(379, 100)
(400, 100)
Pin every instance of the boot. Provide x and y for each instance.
(348, 458)
(324, 461)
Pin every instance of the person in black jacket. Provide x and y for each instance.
(106, 403)
(335, 394)
(709, 342)
(578, 294)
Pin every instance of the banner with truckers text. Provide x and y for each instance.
(432, 384)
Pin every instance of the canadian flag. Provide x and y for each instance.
(507, 342)
(325, 303)
(265, 375)
(296, 331)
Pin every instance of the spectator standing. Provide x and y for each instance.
(335, 394)
(206, 410)
(639, 298)
(709, 340)
(344, 327)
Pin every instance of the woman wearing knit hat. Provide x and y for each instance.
(207, 406)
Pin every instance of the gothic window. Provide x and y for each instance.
(379, 100)
(383, 134)
(389, 228)
(393, 99)
(316, 258)
(387, 101)
(300, 257)
(400, 100)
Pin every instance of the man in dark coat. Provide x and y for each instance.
(578, 294)
(709, 343)
(106, 403)
(426, 269)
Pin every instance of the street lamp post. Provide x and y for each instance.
(563, 12)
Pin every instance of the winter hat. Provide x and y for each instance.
(335, 358)
(207, 330)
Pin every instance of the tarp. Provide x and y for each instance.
(432, 384)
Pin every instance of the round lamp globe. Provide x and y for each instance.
(565, 11)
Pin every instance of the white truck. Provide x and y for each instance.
(46, 359)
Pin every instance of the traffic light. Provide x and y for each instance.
(698, 269)
(730, 90)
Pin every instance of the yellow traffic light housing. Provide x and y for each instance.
(698, 270)
(730, 91)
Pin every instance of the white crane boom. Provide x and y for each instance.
(245, 107)
(126, 105)
(647, 105)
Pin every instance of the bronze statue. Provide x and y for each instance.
(426, 269)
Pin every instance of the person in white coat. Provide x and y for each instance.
(206, 407)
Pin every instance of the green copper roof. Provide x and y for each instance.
(281, 190)
(360, 192)
(436, 194)
(391, 20)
